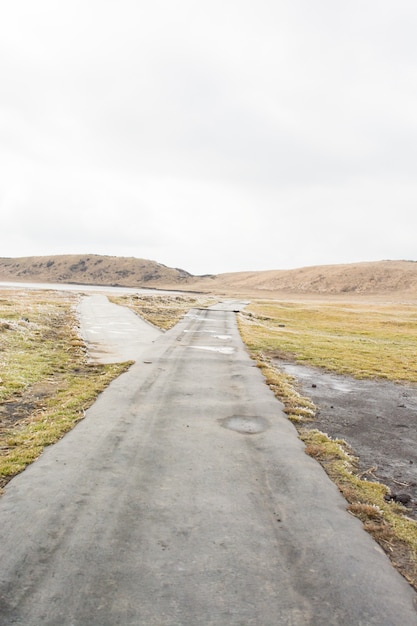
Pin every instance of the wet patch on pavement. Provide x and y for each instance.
(220, 349)
(245, 425)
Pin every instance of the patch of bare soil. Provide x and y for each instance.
(21, 406)
(378, 419)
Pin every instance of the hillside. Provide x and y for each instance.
(383, 278)
(91, 269)
(360, 279)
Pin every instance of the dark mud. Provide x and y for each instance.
(378, 420)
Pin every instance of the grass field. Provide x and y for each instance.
(361, 340)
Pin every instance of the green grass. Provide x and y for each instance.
(31, 345)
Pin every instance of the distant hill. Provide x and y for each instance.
(91, 269)
(374, 278)
(382, 278)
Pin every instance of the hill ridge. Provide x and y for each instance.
(364, 278)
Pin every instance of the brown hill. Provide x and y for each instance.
(91, 269)
(359, 279)
(376, 279)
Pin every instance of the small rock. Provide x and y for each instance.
(402, 498)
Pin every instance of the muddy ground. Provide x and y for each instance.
(377, 419)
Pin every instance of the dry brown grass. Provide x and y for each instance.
(360, 340)
(163, 311)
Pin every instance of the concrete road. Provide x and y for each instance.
(113, 334)
(184, 499)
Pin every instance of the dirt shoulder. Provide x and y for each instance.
(376, 418)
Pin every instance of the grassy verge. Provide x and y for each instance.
(46, 385)
(163, 311)
(377, 342)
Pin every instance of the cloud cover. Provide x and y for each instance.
(213, 136)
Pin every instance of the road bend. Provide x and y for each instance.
(185, 498)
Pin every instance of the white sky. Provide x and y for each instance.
(211, 135)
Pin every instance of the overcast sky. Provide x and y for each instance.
(211, 135)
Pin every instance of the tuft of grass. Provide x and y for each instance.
(385, 520)
(297, 407)
(347, 339)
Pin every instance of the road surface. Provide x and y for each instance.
(185, 498)
(113, 334)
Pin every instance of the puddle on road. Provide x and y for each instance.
(221, 349)
(308, 375)
(245, 425)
